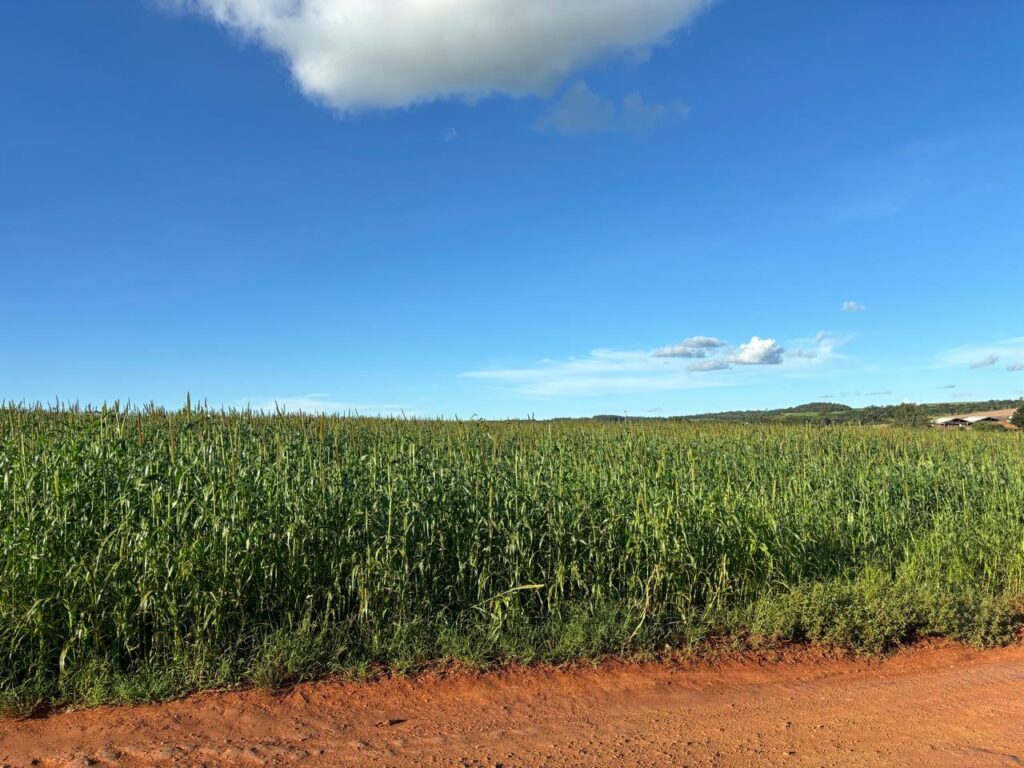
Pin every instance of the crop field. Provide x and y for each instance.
(147, 553)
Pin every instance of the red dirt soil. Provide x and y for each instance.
(939, 705)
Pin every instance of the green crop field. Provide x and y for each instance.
(143, 554)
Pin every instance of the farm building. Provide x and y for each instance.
(968, 419)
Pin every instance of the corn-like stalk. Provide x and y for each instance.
(147, 552)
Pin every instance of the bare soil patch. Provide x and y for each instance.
(937, 705)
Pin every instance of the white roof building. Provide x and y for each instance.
(967, 419)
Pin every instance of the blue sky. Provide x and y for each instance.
(500, 208)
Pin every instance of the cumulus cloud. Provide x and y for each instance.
(716, 355)
(758, 351)
(695, 346)
(354, 54)
(853, 306)
(985, 362)
(581, 111)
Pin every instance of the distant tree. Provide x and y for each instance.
(1018, 418)
(909, 415)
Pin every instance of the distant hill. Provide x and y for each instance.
(907, 414)
(836, 413)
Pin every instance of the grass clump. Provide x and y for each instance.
(148, 553)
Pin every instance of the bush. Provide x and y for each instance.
(1018, 418)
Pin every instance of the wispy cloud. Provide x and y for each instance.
(853, 306)
(695, 346)
(451, 136)
(985, 362)
(893, 183)
(1015, 367)
(321, 403)
(983, 355)
(697, 362)
(581, 111)
(709, 365)
(603, 371)
(357, 54)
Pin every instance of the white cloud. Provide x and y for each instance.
(451, 136)
(853, 306)
(799, 354)
(354, 54)
(758, 351)
(1015, 367)
(320, 403)
(695, 346)
(581, 111)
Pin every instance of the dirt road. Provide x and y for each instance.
(936, 706)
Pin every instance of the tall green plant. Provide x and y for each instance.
(143, 553)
